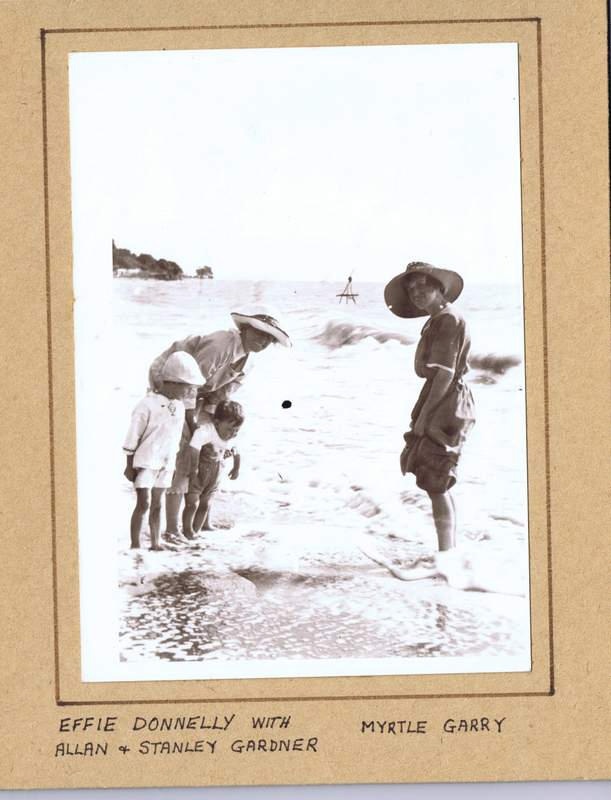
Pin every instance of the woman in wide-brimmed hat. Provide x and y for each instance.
(221, 357)
(444, 411)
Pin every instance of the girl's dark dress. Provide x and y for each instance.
(444, 344)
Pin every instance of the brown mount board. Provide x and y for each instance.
(554, 718)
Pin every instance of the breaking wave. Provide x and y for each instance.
(496, 364)
(339, 334)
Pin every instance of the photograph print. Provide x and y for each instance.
(299, 350)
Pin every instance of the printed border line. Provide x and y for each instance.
(276, 25)
(43, 34)
(526, 402)
(294, 699)
(548, 477)
(50, 360)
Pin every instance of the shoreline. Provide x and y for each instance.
(241, 593)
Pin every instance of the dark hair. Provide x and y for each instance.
(430, 280)
(205, 393)
(229, 411)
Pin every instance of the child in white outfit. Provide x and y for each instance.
(153, 439)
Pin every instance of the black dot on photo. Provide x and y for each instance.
(286, 404)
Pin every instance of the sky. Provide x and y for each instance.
(303, 163)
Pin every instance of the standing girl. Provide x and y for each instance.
(444, 411)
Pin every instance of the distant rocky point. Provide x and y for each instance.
(204, 272)
(126, 264)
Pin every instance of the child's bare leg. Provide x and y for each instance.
(202, 515)
(444, 515)
(155, 518)
(191, 501)
(172, 510)
(142, 506)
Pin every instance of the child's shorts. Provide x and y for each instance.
(153, 479)
(207, 480)
(434, 467)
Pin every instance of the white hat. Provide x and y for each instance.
(180, 367)
(262, 322)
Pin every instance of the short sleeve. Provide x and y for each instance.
(214, 353)
(139, 420)
(445, 343)
(203, 435)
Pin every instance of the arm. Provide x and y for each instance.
(130, 472)
(214, 354)
(235, 470)
(134, 434)
(191, 415)
(199, 439)
(441, 358)
(441, 383)
(218, 359)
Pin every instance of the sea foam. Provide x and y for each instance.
(340, 333)
(496, 364)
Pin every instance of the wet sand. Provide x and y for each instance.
(242, 593)
(286, 578)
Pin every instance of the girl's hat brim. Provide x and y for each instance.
(262, 322)
(396, 294)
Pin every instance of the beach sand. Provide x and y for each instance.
(287, 575)
(248, 592)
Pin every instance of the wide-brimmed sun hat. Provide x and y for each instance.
(262, 322)
(181, 367)
(396, 293)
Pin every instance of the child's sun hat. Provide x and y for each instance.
(181, 367)
(396, 294)
(262, 321)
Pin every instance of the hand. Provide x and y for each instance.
(234, 474)
(130, 473)
(403, 460)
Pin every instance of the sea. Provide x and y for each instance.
(324, 424)
(350, 383)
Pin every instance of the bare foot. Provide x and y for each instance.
(208, 527)
(135, 546)
(175, 537)
(156, 547)
(412, 573)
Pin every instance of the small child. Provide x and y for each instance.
(207, 401)
(153, 439)
(207, 450)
